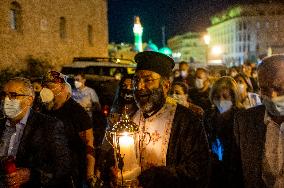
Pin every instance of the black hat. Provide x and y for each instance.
(154, 61)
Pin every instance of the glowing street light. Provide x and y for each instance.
(216, 50)
(207, 39)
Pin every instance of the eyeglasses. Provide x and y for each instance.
(12, 95)
(146, 81)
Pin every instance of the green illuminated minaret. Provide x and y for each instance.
(138, 31)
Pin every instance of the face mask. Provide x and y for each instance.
(183, 73)
(181, 99)
(254, 75)
(78, 84)
(46, 95)
(233, 74)
(274, 106)
(12, 108)
(117, 77)
(177, 74)
(199, 83)
(223, 105)
(127, 95)
(241, 88)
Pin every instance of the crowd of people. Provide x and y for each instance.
(206, 129)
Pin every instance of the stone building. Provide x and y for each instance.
(51, 30)
(248, 31)
(190, 47)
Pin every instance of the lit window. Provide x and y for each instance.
(15, 16)
(62, 28)
(90, 35)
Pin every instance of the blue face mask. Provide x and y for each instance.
(223, 105)
(274, 106)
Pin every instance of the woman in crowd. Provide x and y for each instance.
(123, 100)
(248, 98)
(219, 128)
(179, 92)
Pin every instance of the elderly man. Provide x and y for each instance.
(56, 94)
(176, 145)
(37, 142)
(259, 131)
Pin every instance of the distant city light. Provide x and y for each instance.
(207, 39)
(176, 55)
(216, 50)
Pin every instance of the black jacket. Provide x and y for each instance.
(250, 131)
(187, 155)
(43, 149)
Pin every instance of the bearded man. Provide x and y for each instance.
(174, 140)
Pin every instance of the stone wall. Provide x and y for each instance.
(38, 32)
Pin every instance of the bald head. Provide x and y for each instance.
(271, 76)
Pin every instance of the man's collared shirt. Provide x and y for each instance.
(12, 136)
(273, 160)
(157, 130)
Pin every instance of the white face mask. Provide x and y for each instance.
(241, 88)
(274, 106)
(199, 83)
(223, 105)
(233, 74)
(183, 74)
(12, 108)
(46, 95)
(78, 84)
(181, 99)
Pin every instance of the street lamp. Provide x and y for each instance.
(124, 138)
(217, 52)
(206, 39)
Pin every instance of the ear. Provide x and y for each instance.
(30, 100)
(166, 86)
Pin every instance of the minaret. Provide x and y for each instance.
(138, 31)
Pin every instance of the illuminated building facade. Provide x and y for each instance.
(189, 47)
(247, 32)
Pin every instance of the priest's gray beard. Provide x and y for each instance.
(150, 101)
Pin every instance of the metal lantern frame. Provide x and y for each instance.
(122, 132)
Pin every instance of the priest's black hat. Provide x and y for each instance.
(154, 61)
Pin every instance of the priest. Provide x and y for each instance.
(173, 147)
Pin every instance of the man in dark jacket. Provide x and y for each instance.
(56, 94)
(177, 145)
(259, 131)
(36, 141)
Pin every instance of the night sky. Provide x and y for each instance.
(178, 17)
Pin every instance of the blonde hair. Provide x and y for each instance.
(226, 82)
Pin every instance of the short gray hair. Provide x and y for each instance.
(28, 87)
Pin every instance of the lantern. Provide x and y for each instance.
(124, 138)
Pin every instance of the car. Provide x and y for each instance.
(101, 74)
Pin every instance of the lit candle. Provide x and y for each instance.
(131, 168)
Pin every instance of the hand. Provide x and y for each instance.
(94, 182)
(21, 176)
